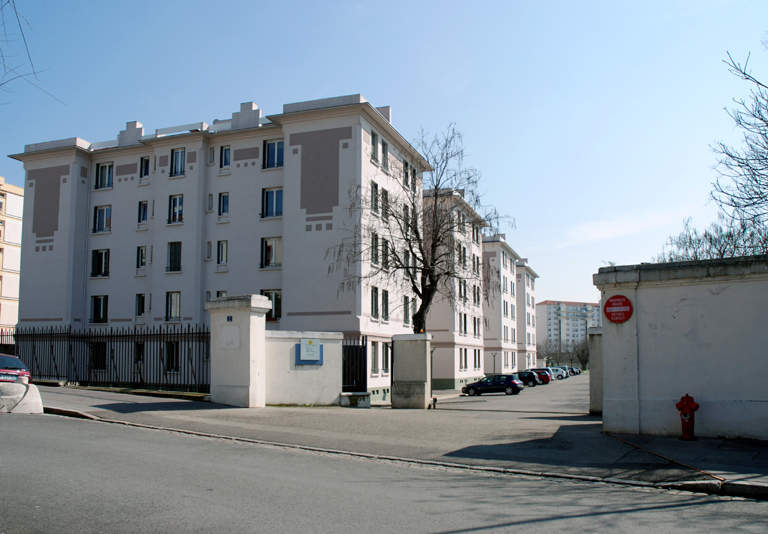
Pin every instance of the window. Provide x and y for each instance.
(276, 296)
(210, 203)
(384, 204)
(385, 305)
(384, 155)
(172, 358)
(272, 202)
(374, 357)
(375, 302)
(173, 306)
(463, 359)
(272, 252)
(100, 262)
(208, 250)
(220, 294)
(140, 304)
(99, 309)
(144, 167)
(375, 249)
(413, 179)
(406, 261)
(174, 257)
(177, 162)
(141, 257)
(221, 254)
(476, 233)
(477, 358)
(504, 284)
(143, 211)
(175, 209)
(406, 311)
(103, 176)
(102, 219)
(224, 157)
(385, 357)
(374, 197)
(384, 254)
(506, 309)
(223, 204)
(374, 147)
(273, 154)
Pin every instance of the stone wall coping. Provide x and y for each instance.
(302, 334)
(259, 302)
(658, 272)
(595, 330)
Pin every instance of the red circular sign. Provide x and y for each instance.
(618, 309)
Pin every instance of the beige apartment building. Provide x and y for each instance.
(500, 306)
(11, 211)
(566, 322)
(456, 321)
(145, 228)
(526, 316)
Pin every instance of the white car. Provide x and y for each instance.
(559, 372)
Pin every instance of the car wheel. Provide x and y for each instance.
(509, 390)
(559, 377)
(531, 384)
(471, 392)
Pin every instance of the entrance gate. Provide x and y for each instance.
(353, 368)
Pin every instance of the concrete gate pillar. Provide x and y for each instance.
(411, 371)
(238, 360)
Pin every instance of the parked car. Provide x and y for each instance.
(509, 384)
(560, 372)
(574, 371)
(577, 370)
(544, 376)
(545, 370)
(529, 378)
(11, 368)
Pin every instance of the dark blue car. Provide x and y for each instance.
(509, 384)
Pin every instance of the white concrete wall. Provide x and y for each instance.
(288, 383)
(14, 206)
(697, 328)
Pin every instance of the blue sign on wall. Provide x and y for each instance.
(309, 352)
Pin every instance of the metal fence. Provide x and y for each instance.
(354, 364)
(171, 357)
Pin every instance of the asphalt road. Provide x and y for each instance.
(68, 475)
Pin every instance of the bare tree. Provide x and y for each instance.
(726, 238)
(742, 187)
(15, 59)
(580, 351)
(410, 233)
(741, 190)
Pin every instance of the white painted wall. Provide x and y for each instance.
(288, 383)
(13, 230)
(11, 259)
(697, 329)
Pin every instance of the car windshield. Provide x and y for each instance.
(12, 364)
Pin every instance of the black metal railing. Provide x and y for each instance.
(354, 364)
(170, 357)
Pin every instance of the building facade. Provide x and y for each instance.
(456, 320)
(526, 315)
(144, 229)
(11, 211)
(565, 322)
(500, 306)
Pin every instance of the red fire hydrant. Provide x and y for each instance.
(686, 407)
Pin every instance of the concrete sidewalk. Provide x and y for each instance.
(542, 431)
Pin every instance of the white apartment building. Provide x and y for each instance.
(143, 229)
(526, 315)
(566, 322)
(500, 306)
(11, 211)
(456, 322)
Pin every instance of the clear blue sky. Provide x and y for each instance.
(591, 121)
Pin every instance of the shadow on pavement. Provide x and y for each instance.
(580, 448)
(160, 406)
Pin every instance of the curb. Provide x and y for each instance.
(710, 487)
(200, 397)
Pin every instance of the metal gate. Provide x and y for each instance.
(354, 377)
